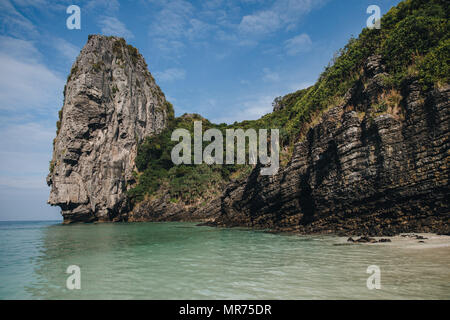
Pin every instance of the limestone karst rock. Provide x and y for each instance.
(111, 102)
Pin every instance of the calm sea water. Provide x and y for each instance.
(183, 261)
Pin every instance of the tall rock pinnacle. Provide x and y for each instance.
(111, 102)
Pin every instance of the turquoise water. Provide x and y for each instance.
(183, 261)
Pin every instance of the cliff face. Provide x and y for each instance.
(360, 170)
(111, 103)
(375, 164)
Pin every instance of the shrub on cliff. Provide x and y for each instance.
(415, 34)
(157, 173)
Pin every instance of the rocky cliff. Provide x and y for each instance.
(376, 164)
(111, 102)
(365, 150)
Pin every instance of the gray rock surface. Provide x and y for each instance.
(111, 102)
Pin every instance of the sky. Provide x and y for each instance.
(226, 60)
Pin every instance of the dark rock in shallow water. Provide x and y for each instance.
(163, 209)
(365, 239)
(415, 236)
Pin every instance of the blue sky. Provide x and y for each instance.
(226, 60)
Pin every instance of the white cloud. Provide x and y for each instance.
(108, 7)
(226, 36)
(26, 85)
(212, 4)
(260, 23)
(176, 20)
(173, 21)
(198, 29)
(23, 182)
(299, 86)
(270, 76)
(171, 99)
(27, 137)
(108, 22)
(298, 44)
(25, 152)
(13, 22)
(43, 5)
(252, 108)
(19, 49)
(170, 75)
(247, 43)
(282, 14)
(29, 91)
(257, 107)
(169, 47)
(67, 49)
(221, 55)
(112, 26)
(34, 3)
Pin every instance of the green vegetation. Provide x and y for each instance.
(434, 68)
(118, 47)
(134, 53)
(170, 110)
(97, 66)
(73, 71)
(413, 36)
(51, 166)
(114, 90)
(188, 183)
(413, 42)
(58, 123)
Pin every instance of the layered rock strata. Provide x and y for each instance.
(359, 171)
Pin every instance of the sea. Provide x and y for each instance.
(175, 260)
